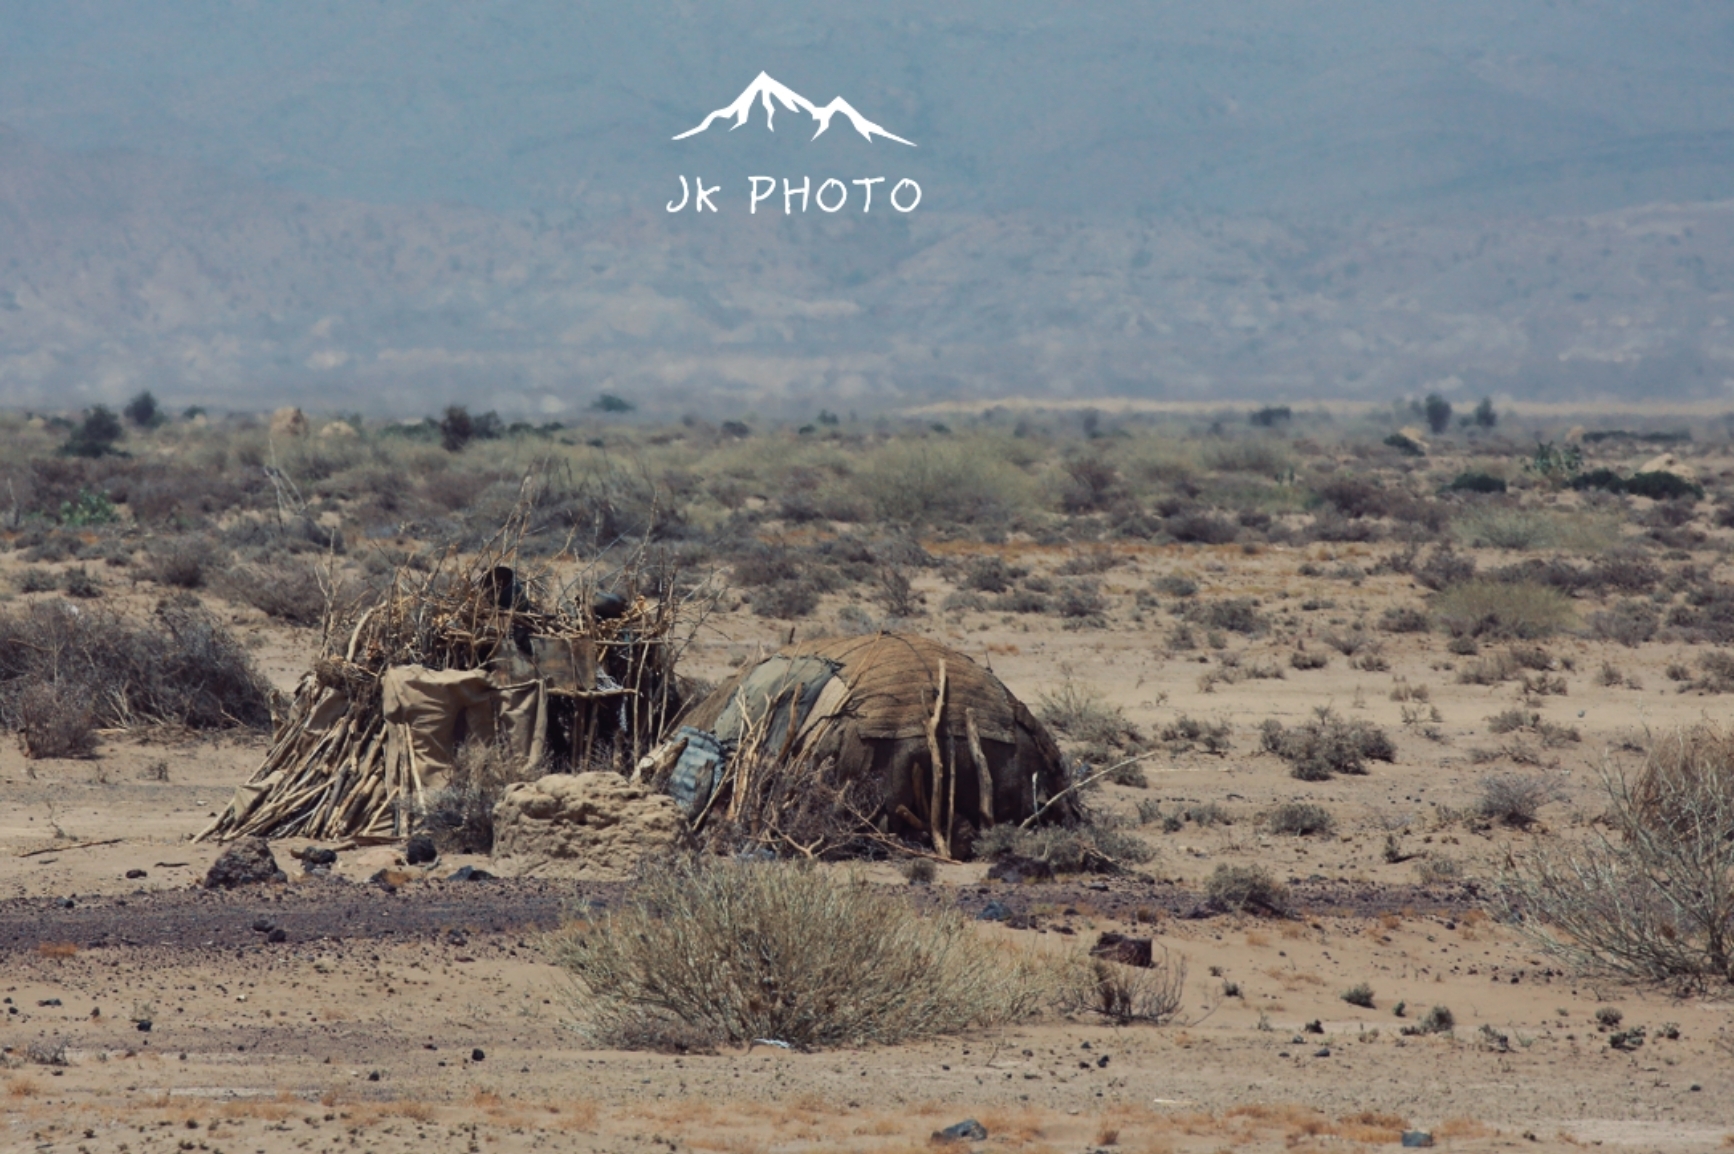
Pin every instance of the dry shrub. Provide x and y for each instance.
(180, 667)
(1081, 714)
(1123, 993)
(1515, 799)
(183, 562)
(1092, 847)
(1631, 623)
(460, 817)
(55, 720)
(1716, 674)
(1519, 610)
(1653, 899)
(1235, 614)
(1327, 745)
(1301, 818)
(733, 952)
(1237, 889)
(943, 481)
(291, 589)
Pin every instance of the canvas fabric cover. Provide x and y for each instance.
(865, 703)
(430, 713)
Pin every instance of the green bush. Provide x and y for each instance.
(1519, 610)
(96, 436)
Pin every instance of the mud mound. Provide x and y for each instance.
(584, 824)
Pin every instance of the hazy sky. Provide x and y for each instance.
(1260, 105)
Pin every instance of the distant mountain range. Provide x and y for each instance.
(400, 204)
(120, 272)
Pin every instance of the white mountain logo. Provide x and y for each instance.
(766, 90)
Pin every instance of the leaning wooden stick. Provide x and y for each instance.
(938, 763)
(984, 778)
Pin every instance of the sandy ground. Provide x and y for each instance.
(429, 1019)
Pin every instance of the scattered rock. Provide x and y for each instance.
(277, 936)
(477, 1055)
(1322, 1052)
(135, 875)
(144, 1025)
(1013, 869)
(419, 850)
(598, 824)
(391, 880)
(316, 858)
(470, 874)
(1314, 1027)
(969, 1130)
(994, 912)
(1413, 1138)
(1125, 950)
(263, 925)
(247, 862)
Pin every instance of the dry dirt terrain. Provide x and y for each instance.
(143, 1013)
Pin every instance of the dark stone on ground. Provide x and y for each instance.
(276, 936)
(1413, 1138)
(316, 857)
(1127, 951)
(247, 862)
(969, 1130)
(419, 850)
(994, 912)
(1322, 1052)
(263, 925)
(1314, 1027)
(477, 1055)
(144, 1025)
(134, 875)
(470, 874)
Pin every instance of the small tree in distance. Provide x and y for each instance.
(457, 428)
(1485, 417)
(609, 403)
(1438, 413)
(96, 435)
(143, 411)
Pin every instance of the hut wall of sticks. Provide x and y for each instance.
(862, 745)
(555, 677)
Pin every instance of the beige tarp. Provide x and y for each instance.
(430, 713)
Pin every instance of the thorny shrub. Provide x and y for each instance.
(731, 952)
(1652, 899)
(1327, 745)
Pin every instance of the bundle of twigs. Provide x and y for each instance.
(327, 774)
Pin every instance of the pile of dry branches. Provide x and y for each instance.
(327, 774)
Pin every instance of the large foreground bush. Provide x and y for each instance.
(733, 952)
(1653, 899)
